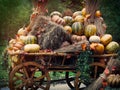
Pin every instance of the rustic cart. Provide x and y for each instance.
(32, 70)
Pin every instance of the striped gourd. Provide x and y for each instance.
(30, 39)
(90, 30)
(68, 20)
(77, 28)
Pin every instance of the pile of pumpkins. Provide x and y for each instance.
(74, 25)
(23, 42)
(104, 44)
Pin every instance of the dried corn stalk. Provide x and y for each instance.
(91, 7)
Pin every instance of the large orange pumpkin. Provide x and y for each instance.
(98, 48)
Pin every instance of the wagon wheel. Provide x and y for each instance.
(96, 68)
(70, 82)
(29, 76)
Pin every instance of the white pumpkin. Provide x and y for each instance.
(31, 48)
(94, 39)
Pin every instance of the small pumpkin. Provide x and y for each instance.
(68, 20)
(112, 47)
(60, 21)
(77, 28)
(56, 13)
(74, 38)
(22, 39)
(79, 38)
(15, 59)
(21, 31)
(83, 11)
(55, 18)
(94, 39)
(15, 48)
(79, 18)
(30, 39)
(113, 80)
(76, 14)
(98, 13)
(19, 45)
(12, 41)
(90, 30)
(98, 48)
(105, 39)
(31, 48)
(68, 29)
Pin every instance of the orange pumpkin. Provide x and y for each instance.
(98, 13)
(68, 29)
(19, 45)
(98, 48)
(79, 18)
(83, 11)
(106, 39)
(76, 14)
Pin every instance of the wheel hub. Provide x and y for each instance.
(29, 82)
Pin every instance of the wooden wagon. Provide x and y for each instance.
(33, 73)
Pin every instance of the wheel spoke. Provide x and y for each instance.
(25, 71)
(20, 78)
(20, 85)
(39, 78)
(96, 68)
(34, 72)
(28, 75)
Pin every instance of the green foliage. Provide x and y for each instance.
(55, 5)
(14, 14)
(110, 11)
(3, 70)
(3, 77)
(83, 66)
(62, 5)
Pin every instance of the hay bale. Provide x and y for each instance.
(50, 35)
